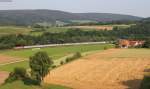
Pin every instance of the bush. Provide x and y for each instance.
(67, 60)
(17, 74)
(62, 62)
(20, 73)
(75, 56)
(105, 48)
(54, 66)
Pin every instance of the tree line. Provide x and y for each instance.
(140, 31)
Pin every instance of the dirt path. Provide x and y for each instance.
(92, 72)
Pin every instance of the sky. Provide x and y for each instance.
(129, 7)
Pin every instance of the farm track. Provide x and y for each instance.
(93, 72)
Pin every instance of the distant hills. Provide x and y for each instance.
(146, 19)
(109, 17)
(28, 17)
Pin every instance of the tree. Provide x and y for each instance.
(40, 64)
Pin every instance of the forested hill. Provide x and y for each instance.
(28, 17)
(146, 20)
(109, 17)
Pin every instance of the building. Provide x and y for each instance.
(124, 43)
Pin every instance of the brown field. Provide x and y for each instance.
(94, 27)
(111, 69)
(7, 59)
(3, 76)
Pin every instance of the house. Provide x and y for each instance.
(124, 43)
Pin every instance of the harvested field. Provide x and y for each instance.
(111, 69)
(94, 27)
(7, 59)
(3, 76)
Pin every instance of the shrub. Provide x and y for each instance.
(54, 66)
(105, 48)
(67, 60)
(75, 56)
(17, 74)
(62, 62)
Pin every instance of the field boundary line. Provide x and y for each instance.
(13, 62)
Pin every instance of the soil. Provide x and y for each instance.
(95, 72)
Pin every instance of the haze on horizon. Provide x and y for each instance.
(129, 7)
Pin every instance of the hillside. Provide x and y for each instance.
(146, 20)
(108, 17)
(28, 17)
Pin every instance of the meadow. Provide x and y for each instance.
(5, 30)
(54, 52)
(51, 30)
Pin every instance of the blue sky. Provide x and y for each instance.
(131, 7)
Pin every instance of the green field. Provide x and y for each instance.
(51, 30)
(5, 30)
(10, 67)
(21, 85)
(54, 52)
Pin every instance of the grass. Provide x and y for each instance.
(5, 30)
(21, 85)
(10, 67)
(57, 29)
(54, 52)
(51, 30)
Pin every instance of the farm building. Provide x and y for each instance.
(124, 43)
